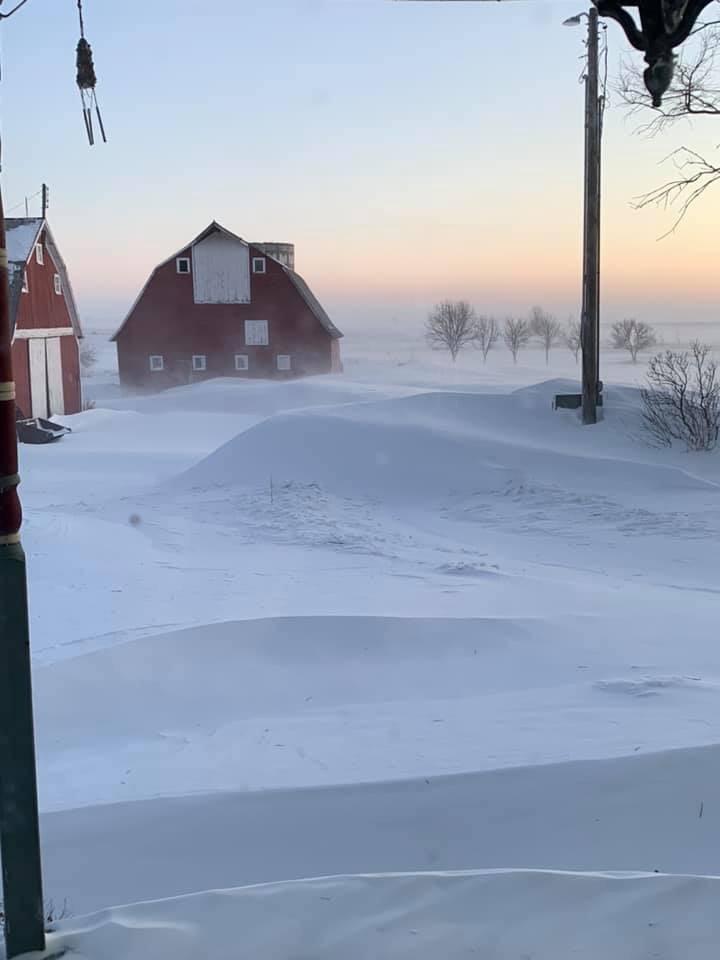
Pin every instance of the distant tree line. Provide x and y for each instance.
(680, 401)
(454, 325)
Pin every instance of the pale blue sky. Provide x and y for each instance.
(411, 151)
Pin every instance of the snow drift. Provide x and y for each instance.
(434, 446)
(424, 630)
(653, 812)
(501, 915)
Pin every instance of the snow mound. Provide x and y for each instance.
(430, 447)
(653, 686)
(273, 703)
(261, 703)
(545, 391)
(402, 448)
(265, 397)
(646, 812)
(504, 915)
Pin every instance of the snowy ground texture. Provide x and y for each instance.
(407, 620)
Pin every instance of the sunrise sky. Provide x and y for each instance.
(412, 152)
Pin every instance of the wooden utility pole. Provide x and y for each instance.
(590, 327)
(45, 200)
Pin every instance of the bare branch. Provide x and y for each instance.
(682, 398)
(704, 26)
(694, 92)
(696, 175)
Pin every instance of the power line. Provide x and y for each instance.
(22, 202)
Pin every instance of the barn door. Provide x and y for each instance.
(56, 398)
(38, 377)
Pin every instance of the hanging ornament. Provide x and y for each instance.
(86, 81)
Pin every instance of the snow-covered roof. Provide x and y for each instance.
(21, 235)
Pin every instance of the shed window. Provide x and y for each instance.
(58, 284)
(183, 264)
(199, 361)
(39, 254)
(242, 361)
(157, 363)
(259, 265)
(256, 333)
(25, 286)
(283, 362)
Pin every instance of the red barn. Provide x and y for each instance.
(221, 307)
(44, 322)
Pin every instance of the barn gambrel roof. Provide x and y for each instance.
(21, 236)
(312, 302)
(300, 284)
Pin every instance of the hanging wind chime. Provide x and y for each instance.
(86, 81)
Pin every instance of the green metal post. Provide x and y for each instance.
(19, 826)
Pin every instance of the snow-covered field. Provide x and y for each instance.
(404, 620)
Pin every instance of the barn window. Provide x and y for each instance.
(242, 361)
(157, 363)
(259, 265)
(39, 254)
(58, 283)
(183, 264)
(25, 286)
(199, 361)
(283, 362)
(256, 333)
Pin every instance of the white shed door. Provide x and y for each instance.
(221, 270)
(38, 377)
(56, 396)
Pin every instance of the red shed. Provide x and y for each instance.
(44, 321)
(221, 307)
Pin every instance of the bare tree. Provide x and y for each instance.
(488, 333)
(451, 325)
(516, 334)
(634, 336)
(682, 398)
(695, 91)
(88, 356)
(572, 338)
(546, 327)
